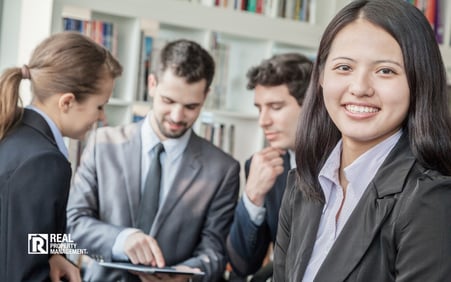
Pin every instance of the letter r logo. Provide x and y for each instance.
(38, 244)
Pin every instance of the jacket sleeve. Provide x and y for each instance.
(247, 243)
(83, 219)
(35, 204)
(423, 232)
(284, 230)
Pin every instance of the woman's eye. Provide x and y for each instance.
(343, 67)
(386, 71)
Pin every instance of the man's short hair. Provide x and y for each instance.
(187, 59)
(291, 69)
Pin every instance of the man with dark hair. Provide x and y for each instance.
(111, 210)
(279, 85)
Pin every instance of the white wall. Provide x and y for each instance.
(9, 33)
(24, 23)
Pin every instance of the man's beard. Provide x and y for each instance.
(170, 134)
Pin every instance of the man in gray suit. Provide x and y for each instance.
(199, 183)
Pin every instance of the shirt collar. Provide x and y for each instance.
(364, 168)
(292, 159)
(360, 172)
(55, 131)
(328, 176)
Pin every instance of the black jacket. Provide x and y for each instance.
(399, 231)
(34, 186)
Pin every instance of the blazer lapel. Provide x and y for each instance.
(132, 170)
(309, 227)
(368, 216)
(189, 169)
(356, 236)
(282, 181)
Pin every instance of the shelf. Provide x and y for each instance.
(196, 16)
(118, 102)
(210, 115)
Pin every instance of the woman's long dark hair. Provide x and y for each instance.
(428, 122)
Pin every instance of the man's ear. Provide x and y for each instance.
(66, 101)
(152, 84)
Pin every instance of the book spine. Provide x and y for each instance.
(439, 22)
(252, 6)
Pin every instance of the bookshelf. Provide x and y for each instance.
(245, 37)
(248, 38)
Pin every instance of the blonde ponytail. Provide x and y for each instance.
(10, 103)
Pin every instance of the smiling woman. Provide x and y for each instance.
(365, 87)
(370, 198)
(71, 79)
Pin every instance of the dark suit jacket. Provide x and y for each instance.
(34, 185)
(399, 231)
(248, 243)
(190, 227)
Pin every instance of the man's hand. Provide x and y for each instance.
(265, 166)
(60, 267)
(143, 249)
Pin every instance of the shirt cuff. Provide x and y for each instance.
(256, 213)
(118, 247)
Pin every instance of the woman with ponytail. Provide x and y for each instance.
(71, 79)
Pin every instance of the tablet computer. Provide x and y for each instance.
(148, 269)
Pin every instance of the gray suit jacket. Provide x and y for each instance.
(399, 231)
(190, 227)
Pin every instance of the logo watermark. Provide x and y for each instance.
(38, 244)
(41, 243)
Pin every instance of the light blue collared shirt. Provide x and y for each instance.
(170, 160)
(55, 131)
(359, 174)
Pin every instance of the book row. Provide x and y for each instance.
(101, 32)
(435, 12)
(299, 10)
